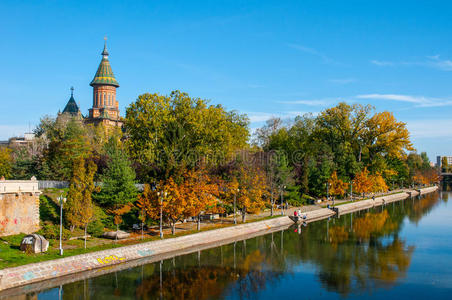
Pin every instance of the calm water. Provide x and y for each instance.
(402, 251)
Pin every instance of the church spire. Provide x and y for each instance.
(105, 52)
(104, 74)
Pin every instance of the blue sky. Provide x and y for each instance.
(263, 58)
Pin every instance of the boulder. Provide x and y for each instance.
(112, 235)
(35, 243)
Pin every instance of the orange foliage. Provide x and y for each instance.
(337, 187)
(362, 183)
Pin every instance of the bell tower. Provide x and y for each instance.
(105, 106)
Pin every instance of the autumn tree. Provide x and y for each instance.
(79, 209)
(378, 184)
(362, 183)
(6, 162)
(252, 187)
(337, 187)
(118, 212)
(201, 194)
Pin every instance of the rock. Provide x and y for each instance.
(112, 235)
(35, 242)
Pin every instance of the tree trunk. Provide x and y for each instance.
(86, 226)
(243, 215)
(199, 222)
(173, 228)
(117, 229)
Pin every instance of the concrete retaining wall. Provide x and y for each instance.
(365, 204)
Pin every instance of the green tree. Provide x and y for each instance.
(168, 134)
(118, 180)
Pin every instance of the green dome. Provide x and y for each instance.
(104, 74)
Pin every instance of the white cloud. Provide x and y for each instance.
(381, 63)
(419, 101)
(433, 61)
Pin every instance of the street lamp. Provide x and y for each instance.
(61, 200)
(162, 194)
(235, 206)
(282, 199)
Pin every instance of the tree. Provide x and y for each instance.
(118, 212)
(6, 162)
(337, 186)
(444, 164)
(118, 180)
(378, 183)
(252, 185)
(79, 208)
(362, 183)
(168, 134)
(201, 194)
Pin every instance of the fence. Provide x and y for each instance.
(46, 184)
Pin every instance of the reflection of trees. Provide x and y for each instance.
(357, 252)
(422, 207)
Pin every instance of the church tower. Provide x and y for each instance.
(105, 106)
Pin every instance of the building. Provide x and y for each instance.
(19, 206)
(105, 108)
(440, 158)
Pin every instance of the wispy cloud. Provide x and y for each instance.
(256, 117)
(342, 81)
(381, 63)
(315, 102)
(311, 51)
(434, 61)
(419, 101)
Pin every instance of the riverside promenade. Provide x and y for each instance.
(46, 274)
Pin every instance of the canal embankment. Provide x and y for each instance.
(101, 262)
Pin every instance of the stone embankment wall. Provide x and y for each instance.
(365, 204)
(19, 206)
(102, 262)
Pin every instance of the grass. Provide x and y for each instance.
(11, 256)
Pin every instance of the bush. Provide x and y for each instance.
(95, 228)
(51, 231)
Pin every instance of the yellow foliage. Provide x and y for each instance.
(337, 187)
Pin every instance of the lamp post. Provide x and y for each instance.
(282, 199)
(161, 195)
(61, 200)
(235, 206)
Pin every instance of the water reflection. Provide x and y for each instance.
(353, 254)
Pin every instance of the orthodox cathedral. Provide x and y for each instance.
(105, 109)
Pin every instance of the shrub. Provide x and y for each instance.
(51, 231)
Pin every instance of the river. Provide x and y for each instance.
(400, 251)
